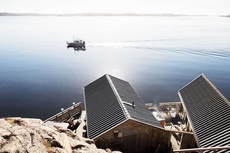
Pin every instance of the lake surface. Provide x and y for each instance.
(156, 55)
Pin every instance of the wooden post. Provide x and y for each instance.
(62, 118)
(80, 108)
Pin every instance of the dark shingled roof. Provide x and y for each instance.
(208, 112)
(109, 102)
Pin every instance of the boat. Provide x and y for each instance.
(77, 44)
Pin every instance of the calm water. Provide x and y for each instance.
(156, 55)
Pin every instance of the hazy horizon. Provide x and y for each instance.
(188, 7)
(96, 14)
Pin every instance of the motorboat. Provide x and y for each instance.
(77, 44)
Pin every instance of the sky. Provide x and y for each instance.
(190, 7)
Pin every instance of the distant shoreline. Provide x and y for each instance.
(93, 14)
(225, 16)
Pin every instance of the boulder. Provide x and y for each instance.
(19, 135)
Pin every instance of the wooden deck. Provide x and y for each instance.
(80, 130)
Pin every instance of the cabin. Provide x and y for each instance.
(208, 113)
(117, 118)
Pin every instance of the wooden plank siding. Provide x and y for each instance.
(128, 144)
(187, 141)
(138, 143)
(136, 137)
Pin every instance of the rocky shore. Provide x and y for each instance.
(25, 135)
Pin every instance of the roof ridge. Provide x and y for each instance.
(138, 105)
(191, 82)
(125, 111)
(216, 89)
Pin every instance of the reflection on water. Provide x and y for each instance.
(77, 49)
(157, 55)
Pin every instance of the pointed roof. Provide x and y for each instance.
(110, 102)
(208, 112)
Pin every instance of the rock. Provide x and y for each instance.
(19, 135)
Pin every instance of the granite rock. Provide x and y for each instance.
(21, 135)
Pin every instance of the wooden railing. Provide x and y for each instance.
(66, 113)
(214, 149)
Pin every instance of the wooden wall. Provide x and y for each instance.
(187, 141)
(136, 137)
(128, 128)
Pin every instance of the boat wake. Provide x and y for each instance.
(177, 46)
